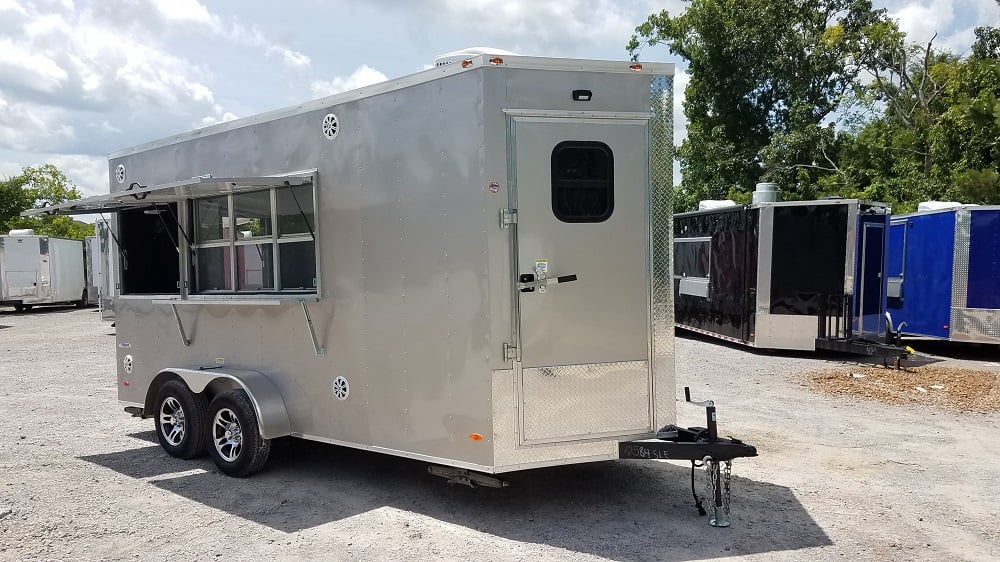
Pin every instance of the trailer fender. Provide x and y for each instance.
(267, 400)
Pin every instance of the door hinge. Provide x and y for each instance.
(509, 352)
(507, 217)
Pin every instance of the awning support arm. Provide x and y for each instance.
(312, 331)
(180, 326)
(303, 214)
(121, 249)
(166, 228)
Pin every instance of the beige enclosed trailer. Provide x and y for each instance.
(467, 266)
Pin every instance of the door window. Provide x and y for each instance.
(582, 181)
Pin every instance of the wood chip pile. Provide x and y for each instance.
(962, 390)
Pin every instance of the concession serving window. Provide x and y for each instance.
(246, 236)
(692, 265)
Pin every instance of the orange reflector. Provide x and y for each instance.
(751, 334)
(475, 437)
(466, 63)
(635, 66)
(496, 60)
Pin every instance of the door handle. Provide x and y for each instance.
(528, 284)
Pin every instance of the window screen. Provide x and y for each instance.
(582, 181)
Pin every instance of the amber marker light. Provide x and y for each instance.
(496, 60)
(476, 436)
(635, 66)
(466, 63)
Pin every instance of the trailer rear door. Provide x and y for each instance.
(583, 277)
(21, 268)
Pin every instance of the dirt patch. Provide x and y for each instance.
(962, 390)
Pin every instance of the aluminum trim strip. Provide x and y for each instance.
(557, 462)
(478, 62)
(398, 453)
(715, 335)
(565, 113)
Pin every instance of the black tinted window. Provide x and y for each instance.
(582, 181)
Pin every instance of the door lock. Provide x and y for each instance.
(525, 282)
(528, 284)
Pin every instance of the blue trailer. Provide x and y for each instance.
(944, 274)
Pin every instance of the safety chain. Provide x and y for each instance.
(719, 514)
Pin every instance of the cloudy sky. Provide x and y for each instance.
(81, 78)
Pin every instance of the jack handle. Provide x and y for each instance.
(710, 417)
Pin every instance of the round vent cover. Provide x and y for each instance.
(341, 388)
(120, 173)
(331, 126)
(127, 364)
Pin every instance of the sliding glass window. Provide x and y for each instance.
(271, 233)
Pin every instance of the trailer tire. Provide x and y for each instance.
(237, 446)
(182, 436)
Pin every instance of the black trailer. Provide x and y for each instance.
(798, 275)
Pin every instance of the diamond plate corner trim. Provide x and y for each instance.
(960, 272)
(661, 218)
(584, 402)
(979, 325)
(507, 454)
(850, 263)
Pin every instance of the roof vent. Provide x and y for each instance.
(456, 56)
(22, 232)
(766, 192)
(938, 205)
(709, 204)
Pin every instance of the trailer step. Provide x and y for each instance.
(466, 477)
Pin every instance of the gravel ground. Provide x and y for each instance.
(837, 478)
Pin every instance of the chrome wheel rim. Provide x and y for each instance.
(227, 435)
(172, 425)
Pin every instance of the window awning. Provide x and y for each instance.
(143, 197)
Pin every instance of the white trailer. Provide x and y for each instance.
(36, 270)
(467, 266)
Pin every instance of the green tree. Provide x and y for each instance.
(37, 187)
(934, 125)
(761, 71)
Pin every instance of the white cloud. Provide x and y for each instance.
(218, 116)
(12, 6)
(28, 126)
(29, 70)
(88, 173)
(364, 75)
(186, 11)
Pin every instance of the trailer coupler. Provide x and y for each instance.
(703, 447)
(887, 351)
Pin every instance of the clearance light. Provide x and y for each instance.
(466, 63)
(496, 60)
(635, 66)
(126, 383)
(475, 436)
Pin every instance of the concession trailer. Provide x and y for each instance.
(944, 274)
(37, 270)
(797, 275)
(466, 266)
